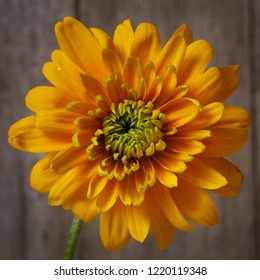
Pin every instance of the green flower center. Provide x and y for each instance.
(133, 130)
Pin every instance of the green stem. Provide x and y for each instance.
(72, 238)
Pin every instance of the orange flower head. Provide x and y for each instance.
(134, 131)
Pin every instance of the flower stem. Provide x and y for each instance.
(72, 238)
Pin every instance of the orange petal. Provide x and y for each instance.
(184, 31)
(82, 138)
(112, 61)
(163, 197)
(162, 230)
(146, 43)
(230, 81)
(231, 173)
(129, 192)
(172, 53)
(107, 198)
(215, 85)
(24, 136)
(166, 177)
(169, 84)
(42, 169)
(203, 175)
(180, 111)
(138, 222)
(67, 159)
(81, 46)
(224, 141)
(191, 147)
(209, 115)
(197, 57)
(131, 74)
(96, 185)
(48, 98)
(195, 203)
(58, 120)
(169, 162)
(123, 39)
(82, 207)
(233, 117)
(114, 232)
(70, 73)
(70, 183)
(103, 38)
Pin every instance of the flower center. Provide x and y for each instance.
(133, 129)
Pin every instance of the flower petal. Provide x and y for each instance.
(233, 117)
(137, 221)
(231, 173)
(209, 115)
(215, 85)
(195, 203)
(172, 53)
(112, 61)
(162, 230)
(114, 232)
(129, 192)
(83, 208)
(58, 120)
(131, 73)
(42, 169)
(201, 174)
(169, 162)
(96, 185)
(123, 39)
(180, 111)
(24, 136)
(70, 183)
(197, 57)
(81, 46)
(168, 87)
(67, 159)
(184, 31)
(107, 198)
(163, 197)
(103, 38)
(191, 147)
(48, 98)
(227, 141)
(146, 43)
(166, 177)
(230, 82)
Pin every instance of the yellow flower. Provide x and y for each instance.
(134, 131)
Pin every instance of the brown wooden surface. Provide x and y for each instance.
(29, 228)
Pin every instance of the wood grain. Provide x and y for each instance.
(29, 228)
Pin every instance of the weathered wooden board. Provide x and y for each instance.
(29, 228)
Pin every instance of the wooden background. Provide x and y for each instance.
(29, 227)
